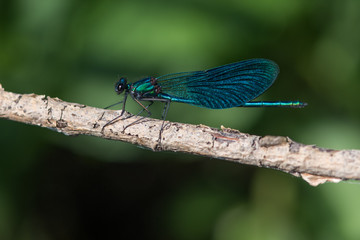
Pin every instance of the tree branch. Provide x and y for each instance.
(315, 165)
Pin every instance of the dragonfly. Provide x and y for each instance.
(232, 85)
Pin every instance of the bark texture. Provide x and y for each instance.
(315, 165)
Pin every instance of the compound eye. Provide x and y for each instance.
(121, 85)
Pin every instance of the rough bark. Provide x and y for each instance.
(315, 165)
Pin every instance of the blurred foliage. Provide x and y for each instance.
(59, 187)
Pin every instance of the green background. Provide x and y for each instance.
(58, 187)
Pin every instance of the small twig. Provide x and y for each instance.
(315, 165)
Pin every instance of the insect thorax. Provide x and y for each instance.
(146, 87)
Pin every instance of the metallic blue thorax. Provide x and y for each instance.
(143, 88)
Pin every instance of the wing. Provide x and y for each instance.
(226, 86)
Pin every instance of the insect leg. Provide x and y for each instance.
(118, 117)
(144, 109)
(164, 113)
(113, 104)
(163, 116)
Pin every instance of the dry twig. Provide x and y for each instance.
(315, 165)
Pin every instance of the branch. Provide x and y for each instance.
(315, 165)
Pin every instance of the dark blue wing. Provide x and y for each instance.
(226, 86)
